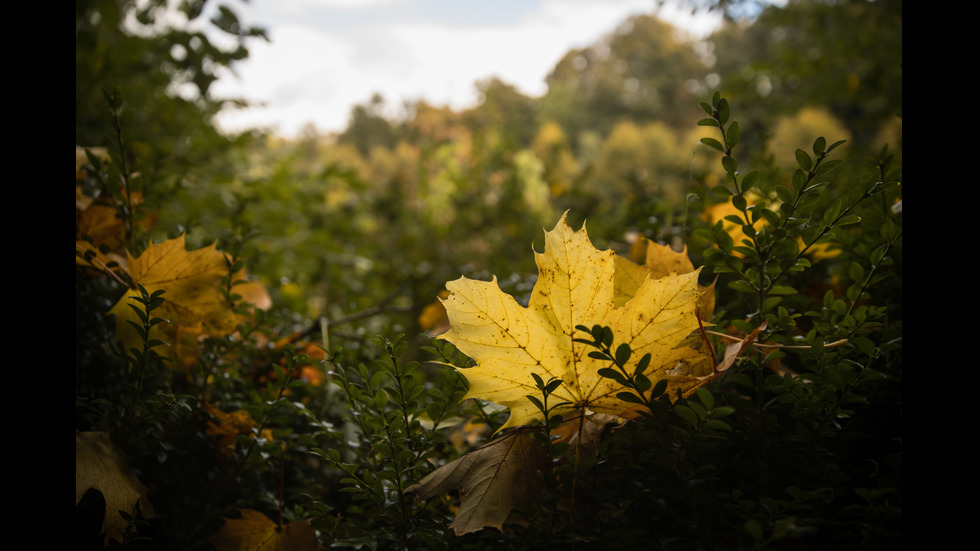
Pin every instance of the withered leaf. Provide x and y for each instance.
(493, 480)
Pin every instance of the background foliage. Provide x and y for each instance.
(339, 400)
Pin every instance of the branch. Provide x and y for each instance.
(96, 263)
(323, 324)
(780, 346)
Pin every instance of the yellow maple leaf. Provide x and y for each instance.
(194, 300)
(575, 286)
(227, 427)
(256, 532)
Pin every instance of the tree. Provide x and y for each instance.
(641, 72)
(164, 70)
(369, 127)
(817, 54)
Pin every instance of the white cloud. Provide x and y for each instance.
(311, 75)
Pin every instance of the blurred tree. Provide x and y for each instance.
(644, 71)
(163, 57)
(369, 127)
(844, 55)
(792, 132)
(510, 113)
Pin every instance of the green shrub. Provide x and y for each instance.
(797, 445)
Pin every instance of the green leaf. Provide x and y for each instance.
(629, 397)
(732, 134)
(706, 398)
(835, 145)
(730, 164)
(818, 145)
(803, 160)
(724, 110)
(782, 290)
(741, 286)
(623, 353)
(711, 142)
(715, 424)
(750, 179)
(740, 203)
(827, 166)
(687, 414)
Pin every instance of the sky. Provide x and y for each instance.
(326, 56)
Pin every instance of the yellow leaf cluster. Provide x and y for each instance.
(256, 532)
(194, 304)
(577, 285)
(227, 426)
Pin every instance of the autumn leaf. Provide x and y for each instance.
(575, 286)
(100, 465)
(649, 259)
(492, 480)
(256, 532)
(227, 427)
(433, 319)
(194, 300)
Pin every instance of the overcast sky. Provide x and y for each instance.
(325, 56)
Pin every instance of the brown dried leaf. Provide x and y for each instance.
(492, 480)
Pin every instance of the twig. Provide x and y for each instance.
(323, 323)
(704, 335)
(784, 346)
(95, 262)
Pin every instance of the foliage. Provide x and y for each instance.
(252, 367)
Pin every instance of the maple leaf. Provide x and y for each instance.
(256, 532)
(575, 287)
(493, 480)
(227, 427)
(100, 465)
(193, 281)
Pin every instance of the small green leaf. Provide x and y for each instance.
(687, 414)
(706, 398)
(818, 145)
(711, 142)
(741, 286)
(629, 397)
(724, 110)
(730, 164)
(835, 145)
(827, 166)
(623, 354)
(803, 160)
(732, 134)
(782, 290)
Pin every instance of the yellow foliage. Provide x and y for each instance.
(227, 426)
(256, 532)
(576, 286)
(799, 130)
(194, 303)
